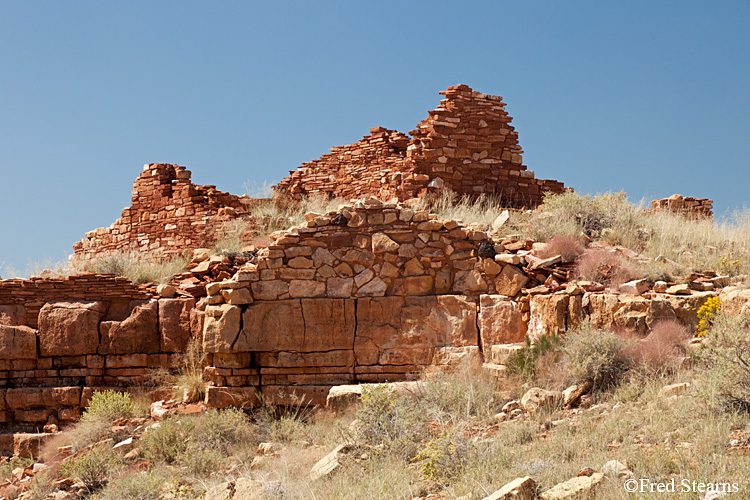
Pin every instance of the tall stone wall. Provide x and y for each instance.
(168, 215)
(466, 144)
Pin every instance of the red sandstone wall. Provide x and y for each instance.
(466, 144)
(701, 208)
(168, 215)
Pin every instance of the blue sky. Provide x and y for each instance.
(649, 97)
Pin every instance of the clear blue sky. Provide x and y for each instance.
(649, 97)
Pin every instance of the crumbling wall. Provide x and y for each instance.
(61, 337)
(168, 215)
(466, 144)
(698, 208)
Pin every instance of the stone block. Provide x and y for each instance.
(17, 342)
(221, 327)
(69, 328)
(139, 332)
(174, 324)
(499, 321)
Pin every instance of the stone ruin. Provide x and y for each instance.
(696, 208)
(374, 292)
(168, 215)
(466, 145)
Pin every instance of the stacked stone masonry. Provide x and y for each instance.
(373, 292)
(168, 215)
(60, 338)
(466, 145)
(700, 208)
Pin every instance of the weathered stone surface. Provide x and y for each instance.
(27, 398)
(572, 394)
(405, 330)
(510, 281)
(536, 399)
(373, 288)
(269, 290)
(139, 332)
(331, 463)
(683, 308)
(602, 309)
(469, 281)
(224, 397)
(382, 243)
(547, 315)
(17, 342)
(522, 488)
(499, 321)
(577, 487)
(305, 325)
(499, 354)
(174, 323)
(14, 314)
(237, 296)
(69, 328)
(631, 314)
(735, 301)
(306, 289)
(636, 287)
(414, 285)
(221, 327)
(674, 389)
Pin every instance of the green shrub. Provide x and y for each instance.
(109, 405)
(395, 421)
(597, 356)
(726, 355)
(203, 444)
(168, 440)
(147, 485)
(92, 468)
(525, 361)
(445, 457)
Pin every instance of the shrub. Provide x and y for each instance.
(167, 441)
(146, 485)
(41, 485)
(567, 247)
(606, 266)
(596, 356)
(190, 382)
(91, 468)
(445, 457)
(461, 395)
(659, 350)
(726, 356)
(525, 361)
(707, 314)
(395, 421)
(108, 405)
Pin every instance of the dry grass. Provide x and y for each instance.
(136, 269)
(683, 245)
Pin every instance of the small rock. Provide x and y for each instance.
(679, 290)
(572, 394)
(125, 444)
(331, 463)
(510, 406)
(578, 487)
(636, 287)
(500, 220)
(522, 488)
(158, 410)
(616, 470)
(268, 448)
(660, 287)
(536, 398)
(166, 291)
(501, 417)
(674, 389)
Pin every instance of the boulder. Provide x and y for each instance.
(572, 394)
(69, 328)
(578, 487)
(522, 488)
(537, 399)
(17, 342)
(636, 287)
(139, 332)
(602, 307)
(174, 323)
(499, 321)
(735, 301)
(632, 313)
(13, 314)
(221, 327)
